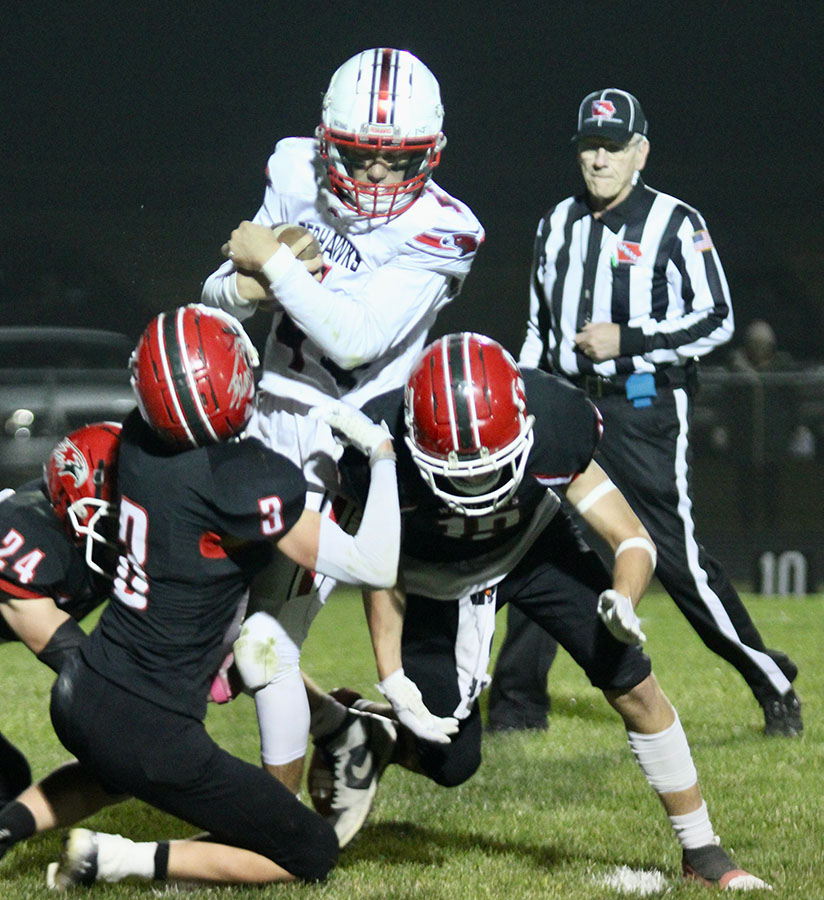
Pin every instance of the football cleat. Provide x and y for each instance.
(782, 715)
(78, 861)
(345, 769)
(91, 856)
(712, 867)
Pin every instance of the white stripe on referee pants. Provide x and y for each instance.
(711, 600)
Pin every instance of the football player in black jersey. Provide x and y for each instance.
(199, 514)
(486, 447)
(50, 574)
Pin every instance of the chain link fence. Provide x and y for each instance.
(758, 460)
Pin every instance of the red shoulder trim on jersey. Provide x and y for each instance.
(15, 590)
(460, 243)
(551, 480)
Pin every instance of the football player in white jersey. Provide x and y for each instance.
(396, 249)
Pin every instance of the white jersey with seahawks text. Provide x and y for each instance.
(385, 282)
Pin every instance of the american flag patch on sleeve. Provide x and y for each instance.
(702, 240)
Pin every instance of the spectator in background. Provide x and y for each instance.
(759, 352)
(764, 427)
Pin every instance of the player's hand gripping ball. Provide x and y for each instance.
(303, 244)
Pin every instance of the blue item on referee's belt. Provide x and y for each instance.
(640, 388)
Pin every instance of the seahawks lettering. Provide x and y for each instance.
(336, 248)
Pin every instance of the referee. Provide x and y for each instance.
(627, 291)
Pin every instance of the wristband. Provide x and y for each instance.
(278, 265)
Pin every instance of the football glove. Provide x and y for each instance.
(411, 711)
(617, 614)
(352, 426)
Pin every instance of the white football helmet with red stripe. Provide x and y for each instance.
(80, 479)
(387, 101)
(192, 375)
(466, 420)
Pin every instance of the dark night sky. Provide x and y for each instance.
(134, 139)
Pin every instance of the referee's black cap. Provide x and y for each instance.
(610, 113)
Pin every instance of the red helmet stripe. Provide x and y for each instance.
(384, 111)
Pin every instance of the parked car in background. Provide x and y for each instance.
(53, 380)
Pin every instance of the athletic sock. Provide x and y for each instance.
(16, 824)
(119, 857)
(15, 774)
(694, 829)
(161, 861)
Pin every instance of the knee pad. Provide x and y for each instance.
(264, 652)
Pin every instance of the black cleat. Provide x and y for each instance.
(712, 867)
(782, 715)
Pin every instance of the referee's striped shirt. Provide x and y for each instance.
(648, 265)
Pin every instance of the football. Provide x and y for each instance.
(291, 234)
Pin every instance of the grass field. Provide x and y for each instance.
(549, 815)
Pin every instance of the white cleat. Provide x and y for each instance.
(78, 861)
(345, 769)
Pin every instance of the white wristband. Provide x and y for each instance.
(278, 265)
(234, 298)
(594, 496)
(642, 544)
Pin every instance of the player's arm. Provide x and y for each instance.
(606, 511)
(370, 556)
(48, 631)
(351, 331)
(239, 292)
(384, 614)
(385, 611)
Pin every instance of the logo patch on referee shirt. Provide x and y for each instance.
(701, 240)
(627, 252)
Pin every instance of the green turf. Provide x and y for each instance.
(547, 815)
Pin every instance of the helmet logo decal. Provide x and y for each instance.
(70, 461)
(241, 381)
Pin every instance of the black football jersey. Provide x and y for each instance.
(195, 527)
(566, 431)
(38, 558)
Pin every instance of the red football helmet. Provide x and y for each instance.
(192, 375)
(80, 477)
(381, 102)
(466, 421)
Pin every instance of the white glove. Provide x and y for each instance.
(355, 427)
(617, 614)
(411, 711)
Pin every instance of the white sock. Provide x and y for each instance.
(327, 717)
(119, 857)
(693, 829)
